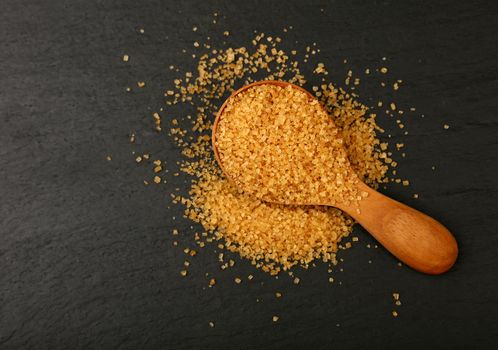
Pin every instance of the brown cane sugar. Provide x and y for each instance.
(280, 145)
(272, 237)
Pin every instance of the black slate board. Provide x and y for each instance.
(86, 253)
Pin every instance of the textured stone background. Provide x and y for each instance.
(86, 257)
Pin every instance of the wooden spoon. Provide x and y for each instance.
(416, 239)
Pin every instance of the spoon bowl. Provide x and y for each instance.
(414, 238)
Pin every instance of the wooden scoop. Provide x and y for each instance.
(416, 239)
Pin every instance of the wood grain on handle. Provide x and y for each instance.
(414, 238)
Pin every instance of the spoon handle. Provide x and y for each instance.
(414, 238)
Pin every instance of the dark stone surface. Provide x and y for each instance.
(85, 251)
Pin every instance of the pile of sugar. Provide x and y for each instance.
(280, 145)
(273, 237)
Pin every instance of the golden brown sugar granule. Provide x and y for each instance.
(296, 280)
(281, 146)
(108, 158)
(446, 126)
(320, 69)
(395, 314)
(275, 318)
(383, 70)
(278, 294)
(212, 282)
(396, 298)
(157, 179)
(237, 280)
(126, 58)
(211, 324)
(141, 84)
(183, 273)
